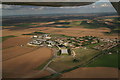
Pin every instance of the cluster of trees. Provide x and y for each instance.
(75, 60)
(34, 33)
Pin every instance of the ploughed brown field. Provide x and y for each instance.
(25, 65)
(92, 72)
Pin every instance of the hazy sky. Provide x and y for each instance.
(55, 0)
(97, 7)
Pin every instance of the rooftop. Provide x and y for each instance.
(64, 51)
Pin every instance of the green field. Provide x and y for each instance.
(65, 25)
(84, 55)
(75, 23)
(24, 25)
(114, 28)
(107, 60)
(93, 25)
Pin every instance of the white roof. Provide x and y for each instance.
(64, 51)
(35, 36)
(50, 41)
(48, 37)
(50, 45)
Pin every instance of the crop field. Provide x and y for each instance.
(25, 65)
(92, 72)
(16, 51)
(15, 41)
(107, 60)
(85, 54)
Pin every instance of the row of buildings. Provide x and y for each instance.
(105, 46)
(71, 42)
(107, 43)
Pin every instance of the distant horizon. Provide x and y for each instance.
(61, 14)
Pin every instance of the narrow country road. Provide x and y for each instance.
(51, 70)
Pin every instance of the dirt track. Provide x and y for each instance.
(25, 64)
(92, 72)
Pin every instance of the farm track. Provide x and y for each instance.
(51, 70)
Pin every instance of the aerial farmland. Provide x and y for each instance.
(72, 45)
